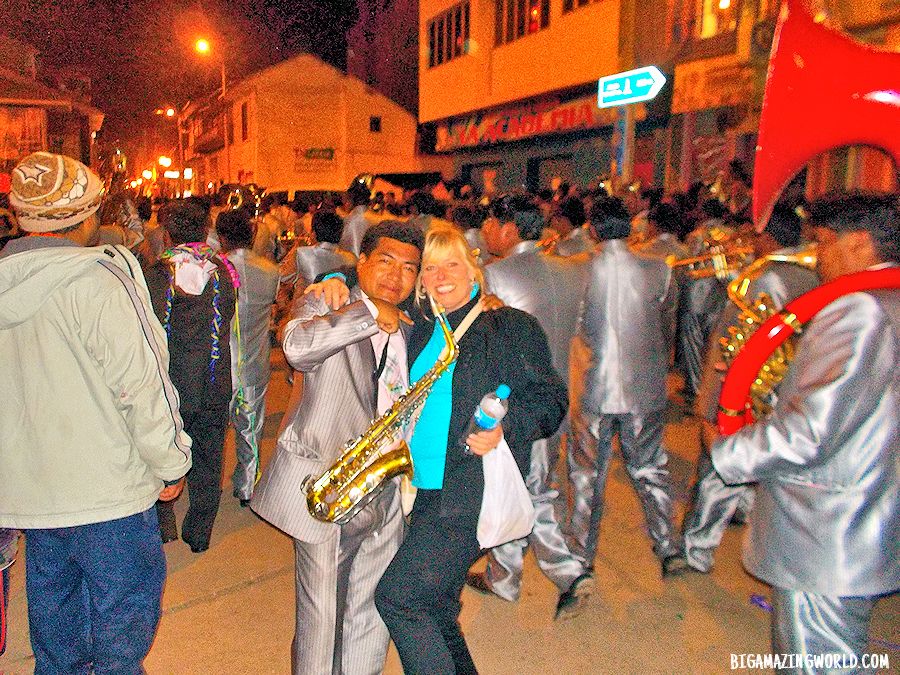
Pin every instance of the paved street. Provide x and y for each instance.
(230, 610)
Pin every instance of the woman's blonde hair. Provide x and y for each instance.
(442, 241)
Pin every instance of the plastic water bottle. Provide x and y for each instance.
(489, 412)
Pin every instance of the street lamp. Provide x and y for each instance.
(203, 47)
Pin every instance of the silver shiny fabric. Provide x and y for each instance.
(315, 260)
(577, 242)
(640, 439)
(549, 288)
(626, 324)
(356, 223)
(713, 503)
(663, 246)
(250, 362)
(338, 629)
(546, 286)
(827, 515)
(700, 306)
(625, 329)
(806, 624)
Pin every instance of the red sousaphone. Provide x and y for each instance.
(823, 91)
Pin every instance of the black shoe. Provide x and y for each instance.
(674, 566)
(166, 538)
(477, 581)
(199, 548)
(573, 601)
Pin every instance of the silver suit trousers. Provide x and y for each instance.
(338, 629)
(810, 624)
(713, 504)
(640, 438)
(247, 419)
(556, 561)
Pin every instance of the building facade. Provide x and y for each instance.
(298, 125)
(508, 88)
(35, 116)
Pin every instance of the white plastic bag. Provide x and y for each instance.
(506, 509)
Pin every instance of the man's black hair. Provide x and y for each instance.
(653, 195)
(606, 207)
(572, 208)
(784, 225)
(521, 210)
(667, 218)
(464, 218)
(714, 208)
(184, 221)
(879, 215)
(328, 226)
(392, 229)
(235, 229)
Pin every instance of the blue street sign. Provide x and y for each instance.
(632, 86)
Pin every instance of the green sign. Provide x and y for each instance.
(319, 153)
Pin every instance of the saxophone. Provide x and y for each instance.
(376, 456)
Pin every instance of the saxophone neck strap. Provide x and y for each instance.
(469, 319)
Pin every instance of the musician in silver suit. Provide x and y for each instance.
(324, 256)
(568, 219)
(250, 348)
(549, 288)
(354, 364)
(700, 303)
(713, 503)
(825, 532)
(625, 325)
(665, 226)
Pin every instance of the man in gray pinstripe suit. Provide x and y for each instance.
(354, 365)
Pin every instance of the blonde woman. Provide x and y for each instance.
(419, 595)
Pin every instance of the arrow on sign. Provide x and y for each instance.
(632, 86)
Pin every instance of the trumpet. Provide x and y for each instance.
(721, 262)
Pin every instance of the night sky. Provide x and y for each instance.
(139, 54)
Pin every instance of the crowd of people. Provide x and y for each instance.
(135, 335)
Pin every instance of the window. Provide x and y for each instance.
(569, 5)
(715, 17)
(448, 35)
(245, 121)
(518, 18)
(375, 124)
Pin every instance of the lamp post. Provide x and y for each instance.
(203, 46)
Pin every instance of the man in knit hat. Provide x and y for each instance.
(92, 435)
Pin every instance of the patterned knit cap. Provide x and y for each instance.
(52, 192)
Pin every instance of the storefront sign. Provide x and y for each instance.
(527, 121)
(714, 83)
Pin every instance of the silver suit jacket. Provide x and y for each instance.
(827, 515)
(546, 286)
(625, 327)
(355, 225)
(315, 260)
(259, 284)
(333, 351)
(782, 282)
(663, 246)
(576, 242)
